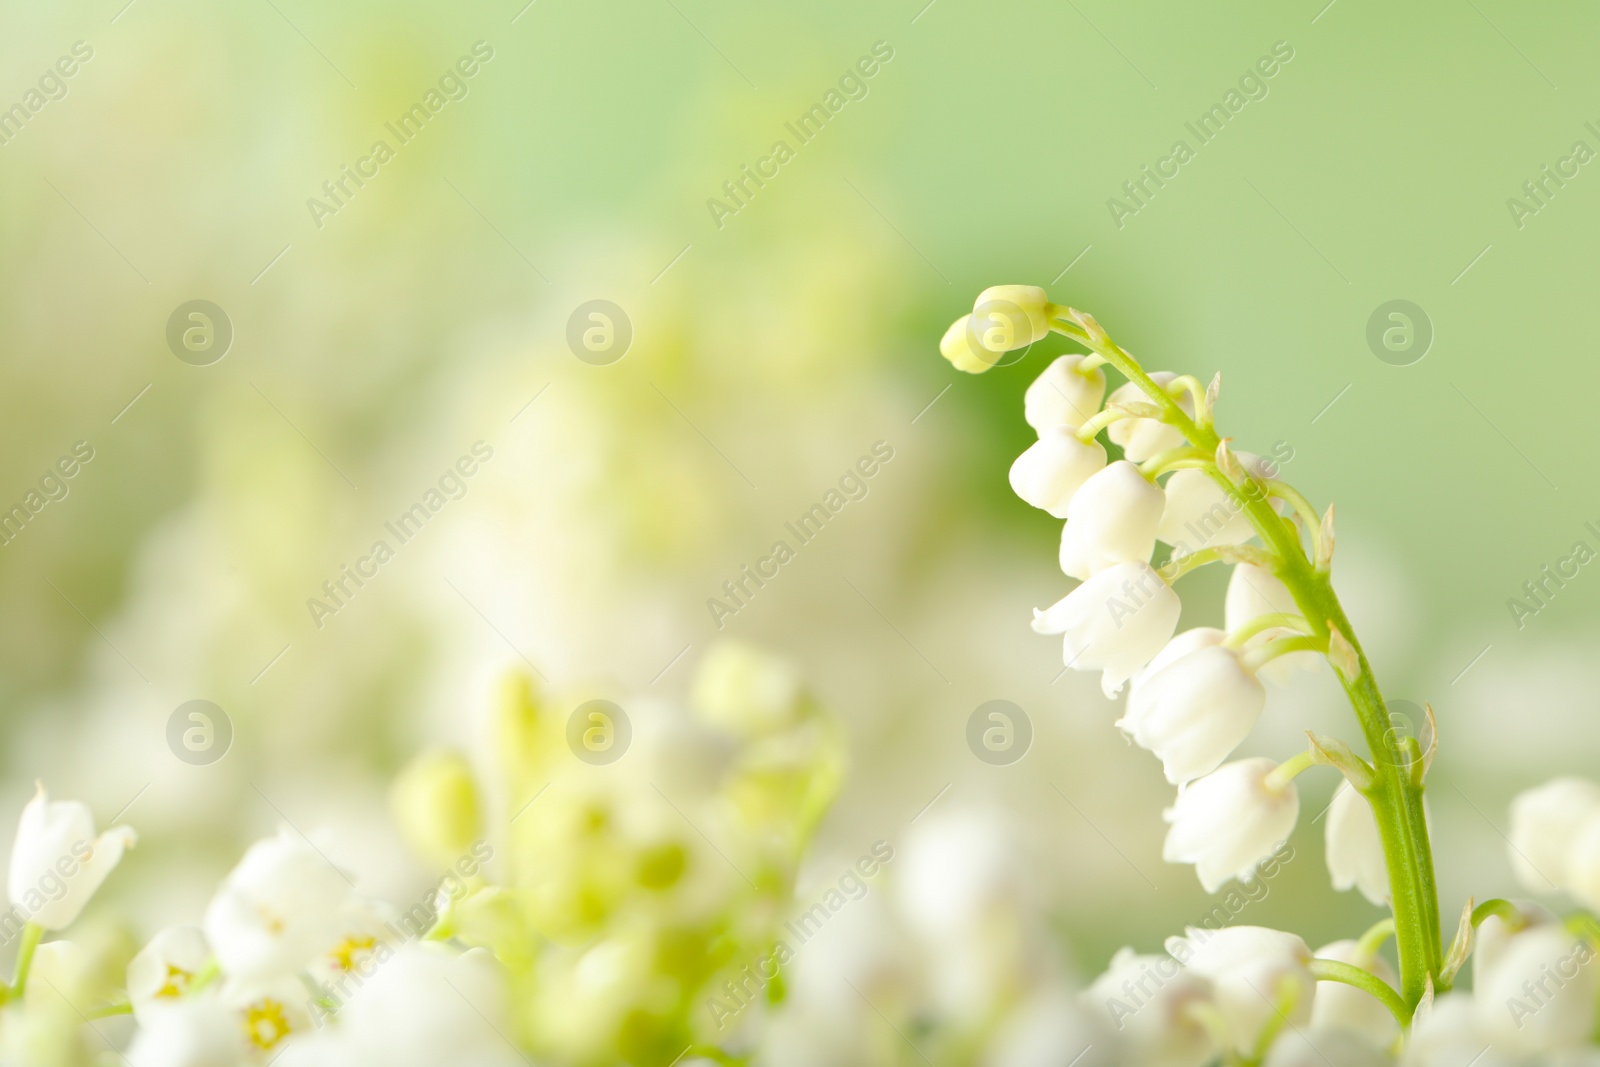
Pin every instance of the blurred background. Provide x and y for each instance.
(363, 334)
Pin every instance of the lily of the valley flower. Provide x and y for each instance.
(1201, 514)
(1255, 974)
(1115, 622)
(280, 907)
(1008, 317)
(1111, 519)
(1192, 709)
(1064, 395)
(1154, 1003)
(165, 969)
(198, 1031)
(1354, 850)
(1545, 826)
(1343, 1007)
(1253, 592)
(1231, 820)
(960, 346)
(1054, 467)
(1143, 438)
(1537, 989)
(58, 861)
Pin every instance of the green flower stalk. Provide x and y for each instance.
(1198, 695)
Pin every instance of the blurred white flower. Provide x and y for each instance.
(1545, 826)
(1009, 317)
(1230, 820)
(1111, 519)
(1354, 849)
(1115, 622)
(1194, 710)
(280, 907)
(1048, 1029)
(1148, 1001)
(1344, 1007)
(1255, 974)
(1450, 1033)
(1054, 467)
(1143, 438)
(198, 1031)
(1064, 395)
(424, 1007)
(57, 861)
(1537, 991)
(165, 968)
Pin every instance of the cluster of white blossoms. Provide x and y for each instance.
(1249, 995)
(587, 914)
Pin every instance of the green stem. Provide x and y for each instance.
(31, 935)
(1371, 941)
(1238, 638)
(1508, 912)
(1334, 971)
(1396, 793)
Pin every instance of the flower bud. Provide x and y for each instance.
(1343, 1007)
(1111, 519)
(1545, 823)
(746, 691)
(1354, 849)
(1194, 710)
(1064, 395)
(1146, 999)
(1053, 468)
(1008, 317)
(1255, 972)
(435, 803)
(57, 861)
(1231, 820)
(1115, 622)
(1142, 438)
(960, 346)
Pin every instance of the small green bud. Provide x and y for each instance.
(435, 801)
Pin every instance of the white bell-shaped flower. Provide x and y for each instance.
(1450, 1033)
(1054, 467)
(280, 907)
(1111, 519)
(1115, 622)
(1231, 820)
(1537, 993)
(164, 969)
(1194, 710)
(1143, 438)
(1253, 592)
(1582, 873)
(1147, 1000)
(1255, 973)
(198, 1031)
(1545, 823)
(58, 861)
(1344, 1007)
(1354, 848)
(1064, 395)
(1008, 317)
(1199, 513)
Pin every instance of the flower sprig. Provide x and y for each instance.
(1197, 695)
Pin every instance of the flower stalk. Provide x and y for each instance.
(1396, 790)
